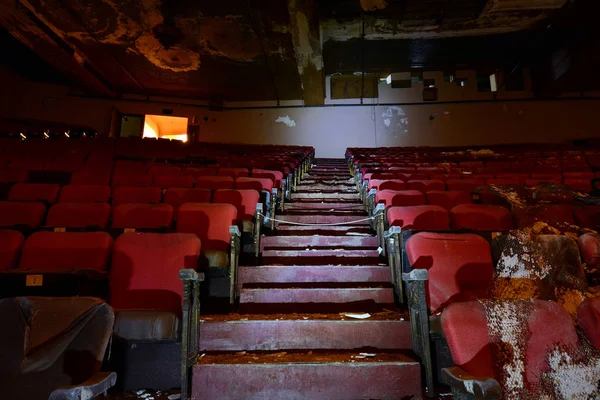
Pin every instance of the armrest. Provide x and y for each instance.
(234, 231)
(479, 388)
(416, 275)
(189, 274)
(89, 389)
(393, 230)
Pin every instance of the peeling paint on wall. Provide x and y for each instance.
(287, 121)
(394, 117)
(176, 59)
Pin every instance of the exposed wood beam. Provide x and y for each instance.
(307, 46)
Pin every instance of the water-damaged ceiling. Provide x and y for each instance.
(239, 50)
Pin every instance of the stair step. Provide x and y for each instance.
(325, 219)
(315, 376)
(324, 206)
(340, 230)
(279, 242)
(319, 295)
(320, 257)
(313, 273)
(324, 181)
(324, 189)
(328, 196)
(252, 332)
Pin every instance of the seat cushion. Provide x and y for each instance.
(146, 325)
(588, 319)
(400, 198)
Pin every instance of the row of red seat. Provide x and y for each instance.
(134, 211)
(52, 193)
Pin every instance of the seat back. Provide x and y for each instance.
(79, 215)
(459, 265)
(145, 270)
(210, 222)
(400, 198)
(258, 184)
(44, 192)
(419, 217)
(136, 195)
(173, 181)
(244, 201)
(177, 196)
(29, 214)
(233, 172)
(448, 199)
(66, 251)
(10, 249)
(481, 217)
(214, 182)
(84, 194)
(142, 216)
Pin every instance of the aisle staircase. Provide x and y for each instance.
(299, 333)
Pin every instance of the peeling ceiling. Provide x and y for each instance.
(238, 50)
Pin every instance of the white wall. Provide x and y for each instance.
(333, 128)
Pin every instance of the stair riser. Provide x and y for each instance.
(268, 335)
(329, 196)
(326, 381)
(302, 242)
(324, 219)
(322, 296)
(323, 206)
(304, 274)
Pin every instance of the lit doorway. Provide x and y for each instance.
(163, 127)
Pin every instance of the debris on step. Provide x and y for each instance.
(357, 316)
(368, 354)
(175, 396)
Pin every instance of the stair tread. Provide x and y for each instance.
(304, 357)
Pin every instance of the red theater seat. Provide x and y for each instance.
(90, 177)
(10, 249)
(177, 196)
(463, 185)
(142, 216)
(588, 319)
(79, 215)
(426, 185)
(244, 201)
(131, 179)
(27, 214)
(214, 182)
(258, 184)
(548, 326)
(66, 251)
(587, 216)
(399, 198)
(481, 217)
(392, 184)
(579, 185)
(85, 194)
(459, 265)
(196, 172)
(275, 176)
(34, 192)
(136, 195)
(233, 172)
(210, 222)
(145, 268)
(419, 217)
(164, 169)
(173, 181)
(448, 199)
